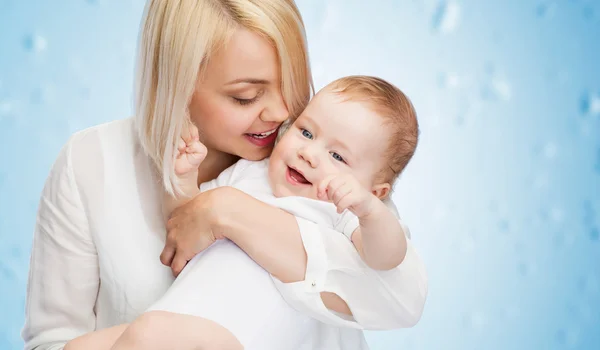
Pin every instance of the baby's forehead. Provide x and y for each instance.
(340, 110)
(357, 132)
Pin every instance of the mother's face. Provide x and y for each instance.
(237, 105)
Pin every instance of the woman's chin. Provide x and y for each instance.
(257, 155)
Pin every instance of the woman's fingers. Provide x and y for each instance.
(184, 253)
(188, 232)
(179, 262)
(166, 257)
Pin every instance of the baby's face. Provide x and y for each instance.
(330, 137)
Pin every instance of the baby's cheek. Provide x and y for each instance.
(331, 168)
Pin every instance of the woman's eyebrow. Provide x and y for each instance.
(249, 81)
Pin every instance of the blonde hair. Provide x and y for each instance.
(178, 37)
(398, 114)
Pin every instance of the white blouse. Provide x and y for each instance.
(99, 234)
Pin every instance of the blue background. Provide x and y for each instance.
(503, 195)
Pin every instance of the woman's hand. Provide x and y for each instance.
(191, 229)
(269, 235)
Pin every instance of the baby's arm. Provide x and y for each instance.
(379, 239)
(190, 153)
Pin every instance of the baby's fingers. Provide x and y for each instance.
(197, 150)
(181, 146)
(194, 132)
(321, 193)
(340, 193)
(189, 132)
(323, 186)
(347, 201)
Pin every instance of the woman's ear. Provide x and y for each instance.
(381, 190)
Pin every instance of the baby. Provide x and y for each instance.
(334, 166)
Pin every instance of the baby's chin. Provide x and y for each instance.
(281, 190)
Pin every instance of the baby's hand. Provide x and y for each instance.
(346, 192)
(190, 152)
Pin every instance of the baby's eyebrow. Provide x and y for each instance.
(343, 146)
(311, 123)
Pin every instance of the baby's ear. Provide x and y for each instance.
(381, 190)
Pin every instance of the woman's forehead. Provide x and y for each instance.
(247, 57)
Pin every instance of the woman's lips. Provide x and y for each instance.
(262, 142)
(295, 177)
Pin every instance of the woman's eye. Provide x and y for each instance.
(248, 101)
(307, 134)
(337, 157)
(245, 101)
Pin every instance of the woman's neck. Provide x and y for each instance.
(214, 163)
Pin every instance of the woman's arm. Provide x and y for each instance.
(313, 266)
(63, 272)
(211, 216)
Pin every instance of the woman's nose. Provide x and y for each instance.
(276, 111)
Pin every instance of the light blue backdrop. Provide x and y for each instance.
(503, 195)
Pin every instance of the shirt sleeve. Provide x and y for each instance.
(347, 224)
(227, 177)
(63, 273)
(378, 299)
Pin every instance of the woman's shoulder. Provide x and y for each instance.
(105, 148)
(121, 131)
(111, 140)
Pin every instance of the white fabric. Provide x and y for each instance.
(239, 295)
(252, 178)
(99, 234)
(260, 309)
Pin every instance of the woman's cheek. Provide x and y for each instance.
(242, 120)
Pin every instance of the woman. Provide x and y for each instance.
(237, 70)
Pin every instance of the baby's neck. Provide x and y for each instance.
(214, 163)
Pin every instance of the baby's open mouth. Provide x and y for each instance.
(297, 176)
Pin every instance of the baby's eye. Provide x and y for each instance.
(337, 157)
(307, 134)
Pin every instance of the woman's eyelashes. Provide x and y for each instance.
(247, 101)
